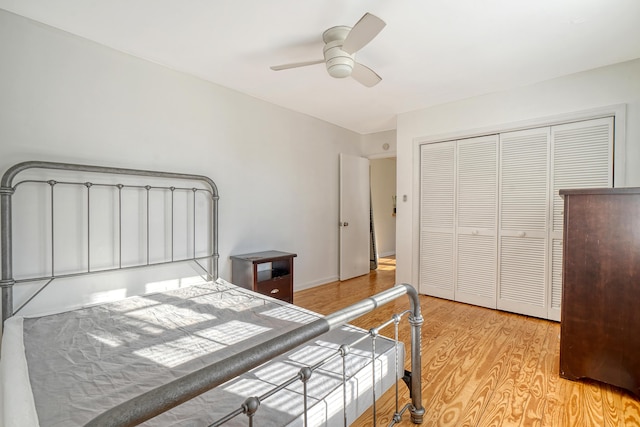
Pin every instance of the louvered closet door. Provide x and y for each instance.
(581, 157)
(477, 188)
(437, 209)
(523, 221)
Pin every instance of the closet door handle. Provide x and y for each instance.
(522, 234)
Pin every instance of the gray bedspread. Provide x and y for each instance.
(86, 361)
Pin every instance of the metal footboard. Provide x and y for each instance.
(163, 398)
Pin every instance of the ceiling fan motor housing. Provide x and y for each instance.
(339, 63)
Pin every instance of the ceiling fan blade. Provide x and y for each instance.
(365, 75)
(296, 65)
(362, 33)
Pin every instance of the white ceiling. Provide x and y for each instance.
(431, 51)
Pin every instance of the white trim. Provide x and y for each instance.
(315, 283)
(616, 110)
(387, 155)
(386, 254)
(415, 214)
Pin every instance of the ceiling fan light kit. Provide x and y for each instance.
(339, 63)
(341, 44)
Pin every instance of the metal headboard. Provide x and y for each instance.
(8, 188)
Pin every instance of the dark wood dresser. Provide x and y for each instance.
(269, 273)
(600, 324)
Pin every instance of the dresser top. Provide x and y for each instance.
(589, 191)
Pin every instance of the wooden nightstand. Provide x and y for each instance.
(269, 273)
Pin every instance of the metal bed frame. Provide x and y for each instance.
(165, 397)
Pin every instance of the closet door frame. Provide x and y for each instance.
(617, 111)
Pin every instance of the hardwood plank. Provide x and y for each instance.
(526, 388)
(437, 350)
(489, 373)
(504, 406)
(630, 408)
(543, 383)
(612, 402)
(585, 404)
(448, 403)
(553, 413)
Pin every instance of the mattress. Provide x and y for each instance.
(64, 369)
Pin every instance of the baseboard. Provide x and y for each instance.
(309, 285)
(386, 254)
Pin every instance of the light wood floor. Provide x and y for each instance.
(481, 367)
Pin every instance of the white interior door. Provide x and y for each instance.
(476, 220)
(581, 157)
(523, 221)
(437, 219)
(354, 216)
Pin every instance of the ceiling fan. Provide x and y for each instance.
(341, 44)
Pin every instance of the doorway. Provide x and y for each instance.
(383, 210)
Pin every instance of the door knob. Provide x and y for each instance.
(346, 224)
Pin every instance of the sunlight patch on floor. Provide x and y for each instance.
(387, 264)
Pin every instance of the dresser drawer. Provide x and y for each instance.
(279, 287)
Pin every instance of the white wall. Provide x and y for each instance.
(67, 99)
(594, 89)
(373, 144)
(383, 188)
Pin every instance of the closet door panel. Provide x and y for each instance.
(556, 279)
(524, 198)
(581, 157)
(477, 185)
(476, 270)
(522, 276)
(524, 170)
(437, 219)
(437, 264)
(476, 201)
